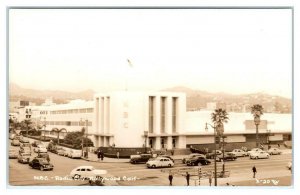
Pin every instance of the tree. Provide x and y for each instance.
(77, 138)
(58, 131)
(257, 111)
(219, 116)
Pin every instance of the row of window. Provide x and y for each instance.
(69, 123)
(72, 111)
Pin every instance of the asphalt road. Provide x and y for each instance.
(126, 174)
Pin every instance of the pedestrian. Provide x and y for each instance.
(98, 155)
(102, 156)
(187, 176)
(170, 178)
(172, 152)
(254, 171)
(118, 154)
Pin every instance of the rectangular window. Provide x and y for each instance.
(90, 110)
(174, 114)
(83, 110)
(151, 114)
(163, 114)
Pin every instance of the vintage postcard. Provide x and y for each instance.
(190, 97)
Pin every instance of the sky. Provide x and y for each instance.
(234, 51)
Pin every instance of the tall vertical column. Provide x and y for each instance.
(157, 115)
(169, 115)
(169, 143)
(157, 143)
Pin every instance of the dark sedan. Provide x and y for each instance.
(40, 163)
(227, 156)
(197, 161)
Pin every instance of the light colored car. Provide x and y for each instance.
(253, 150)
(75, 154)
(12, 153)
(15, 142)
(24, 140)
(87, 172)
(40, 149)
(12, 136)
(192, 155)
(25, 150)
(159, 162)
(259, 154)
(24, 157)
(289, 165)
(60, 151)
(239, 152)
(273, 151)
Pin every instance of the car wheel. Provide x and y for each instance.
(169, 165)
(153, 166)
(256, 157)
(41, 168)
(268, 157)
(76, 177)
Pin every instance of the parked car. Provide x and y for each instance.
(289, 165)
(273, 151)
(15, 142)
(227, 156)
(40, 148)
(192, 155)
(253, 150)
(88, 172)
(140, 158)
(211, 155)
(239, 153)
(75, 154)
(12, 136)
(24, 157)
(197, 161)
(41, 163)
(167, 156)
(22, 145)
(25, 150)
(43, 155)
(159, 162)
(36, 143)
(23, 139)
(61, 151)
(259, 154)
(12, 154)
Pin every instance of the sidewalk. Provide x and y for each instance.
(93, 157)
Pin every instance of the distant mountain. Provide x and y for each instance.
(38, 96)
(198, 99)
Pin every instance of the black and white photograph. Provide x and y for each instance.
(188, 97)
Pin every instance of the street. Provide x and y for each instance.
(126, 174)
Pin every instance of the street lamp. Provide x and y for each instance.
(268, 134)
(256, 122)
(206, 129)
(146, 135)
(86, 135)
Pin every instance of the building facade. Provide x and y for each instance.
(158, 120)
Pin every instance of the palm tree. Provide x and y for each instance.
(219, 117)
(257, 111)
(58, 131)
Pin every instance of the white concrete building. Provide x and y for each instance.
(122, 118)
